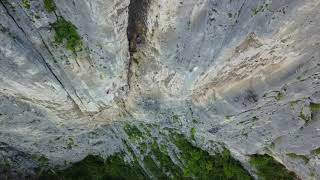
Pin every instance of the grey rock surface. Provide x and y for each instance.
(247, 70)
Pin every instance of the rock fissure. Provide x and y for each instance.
(12, 17)
(136, 31)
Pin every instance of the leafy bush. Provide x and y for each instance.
(65, 30)
(49, 5)
(269, 169)
(26, 4)
(165, 162)
(199, 164)
(316, 151)
(132, 131)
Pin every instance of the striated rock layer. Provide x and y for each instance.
(239, 75)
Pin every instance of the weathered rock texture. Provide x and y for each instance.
(247, 70)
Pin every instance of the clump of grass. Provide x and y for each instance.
(41, 159)
(298, 156)
(132, 131)
(70, 143)
(279, 96)
(49, 5)
(303, 116)
(3, 29)
(195, 120)
(66, 31)
(292, 104)
(316, 151)
(255, 11)
(26, 4)
(176, 119)
(193, 133)
(270, 169)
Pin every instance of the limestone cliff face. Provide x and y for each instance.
(242, 73)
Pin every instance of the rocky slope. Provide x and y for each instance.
(103, 77)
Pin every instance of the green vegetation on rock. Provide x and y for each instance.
(316, 151)
(198, 163)
(41, 159)
(170, 157)
(303, 116)
(176, 119)
(49, 5)
(65, 30)
(26, 4)
(132, 131)
(166, 164)
(279, 96)
(315, 107)
(153, 167)
(96, 168)
(298, 156)
(193, 133)
(269, 169)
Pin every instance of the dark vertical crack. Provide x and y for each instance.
(13, 19)
(136, 30)
(47, 65)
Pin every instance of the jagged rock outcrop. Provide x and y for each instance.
(238, 74)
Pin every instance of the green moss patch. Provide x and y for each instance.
(26, 4)
(303, 116)
(279, 96)
(49, 5)
(66, 31)
(41, 159)
(315, 107)
(193, 133)
(270, 169)
(133, 132)
(316, 151)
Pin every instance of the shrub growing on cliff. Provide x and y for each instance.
(202, 165)
(65, 30)
(270, 169)
(132, 131)
(49, 5)
(26, 4)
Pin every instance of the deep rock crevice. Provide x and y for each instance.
(136, 31)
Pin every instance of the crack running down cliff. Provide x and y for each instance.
(136, 30)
